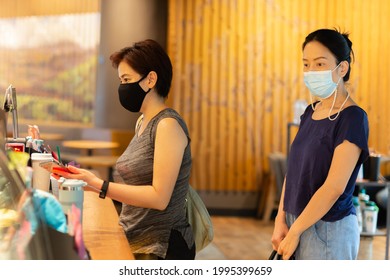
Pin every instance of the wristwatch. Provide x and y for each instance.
(103, 190)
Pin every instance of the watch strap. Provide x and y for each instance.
(103, 190)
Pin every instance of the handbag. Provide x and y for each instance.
(199, 219)
(274, 254)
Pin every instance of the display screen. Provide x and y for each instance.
(16, 147)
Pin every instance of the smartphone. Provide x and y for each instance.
(53, 166)
(61, 168)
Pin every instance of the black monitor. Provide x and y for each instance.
(3, 129)
(10, 106)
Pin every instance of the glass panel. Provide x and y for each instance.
(22, 236)
(51, 60)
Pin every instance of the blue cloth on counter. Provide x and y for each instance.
(48, 210)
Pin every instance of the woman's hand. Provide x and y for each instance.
(82, 174)
(280, 231)
(288, 245)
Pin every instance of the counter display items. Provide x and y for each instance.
(34, 224)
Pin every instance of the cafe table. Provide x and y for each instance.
(98, 161)
(90, 145)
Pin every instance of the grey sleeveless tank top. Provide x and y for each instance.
(148, 230)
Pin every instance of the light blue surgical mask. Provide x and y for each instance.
(320, 83)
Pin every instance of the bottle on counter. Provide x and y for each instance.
(299, 108)
(370, 217)
(359, 214)
(363, 199)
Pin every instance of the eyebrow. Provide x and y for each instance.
(317, 58)
(125, 75)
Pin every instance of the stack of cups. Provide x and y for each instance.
(55, 185)
(41, 177)
(371, 167)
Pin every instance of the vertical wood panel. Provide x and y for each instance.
(240, 67)
(231, 82)
(249, 97)
(258, 112)
(239, 95)
(214, 93)
(203, 158)
(224, 30)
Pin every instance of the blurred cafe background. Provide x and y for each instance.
(237, 80)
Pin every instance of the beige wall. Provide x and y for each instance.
(123, 22)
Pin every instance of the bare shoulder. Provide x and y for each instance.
(170, 127)
(170, 131)
(168, 123)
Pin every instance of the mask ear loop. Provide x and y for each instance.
(334, 101)
(142, 80)
(311, 100)
(342, 105)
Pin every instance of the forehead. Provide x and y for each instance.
(314, 50)
(125, 69)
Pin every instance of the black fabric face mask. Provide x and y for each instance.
(132, 95)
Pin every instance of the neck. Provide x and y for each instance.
(152, 105)
(340, 98)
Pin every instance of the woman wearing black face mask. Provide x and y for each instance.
(154, 170)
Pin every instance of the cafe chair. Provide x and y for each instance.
(382, 196)
(278, 168)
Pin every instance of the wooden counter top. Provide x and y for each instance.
(103, 236)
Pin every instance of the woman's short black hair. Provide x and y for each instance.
(338, 43)
(146, 56)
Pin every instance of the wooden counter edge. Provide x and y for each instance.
(104, 238)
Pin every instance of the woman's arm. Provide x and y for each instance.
(170, 144)
(343, 163)
(280, 228)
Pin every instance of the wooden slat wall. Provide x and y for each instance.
(238, 71)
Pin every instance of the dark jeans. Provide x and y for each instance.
(178, 249)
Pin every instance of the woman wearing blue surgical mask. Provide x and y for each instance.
(154, 170)
(316, 218)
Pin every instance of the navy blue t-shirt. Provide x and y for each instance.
(311, 155)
